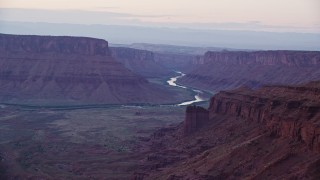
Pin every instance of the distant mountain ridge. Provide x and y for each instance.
(173, 49)
(126, 34)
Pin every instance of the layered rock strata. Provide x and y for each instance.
(141, 62)
(269, 133)
(62, 70)
(291, 112)
(228, 70)
(195, 118)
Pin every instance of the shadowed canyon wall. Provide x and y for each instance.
(141, 62)
(286, 111)
(196, 117)
(269, 133)
(62, 70)
(228, 70)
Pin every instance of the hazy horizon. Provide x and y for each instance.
(122, 34)
(289, 25)
(271, 15)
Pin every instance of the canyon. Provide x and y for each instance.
(70, 70)
(269, 133)
(73, 107)
(177, 58)
(217, 71)
(141, 62)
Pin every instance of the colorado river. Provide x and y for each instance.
(197, 98)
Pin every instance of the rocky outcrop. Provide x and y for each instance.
(181, 62)
(3, 168)
(141, 62)
(53, 44)
(291, 112)
(229, 70)
(269, 133)
(68, 70)
(178, 58)
(196, 117)
(285, 58)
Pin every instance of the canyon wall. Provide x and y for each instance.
(141, 62)
(227, 69)
(269, 133)
(285, 58)
(196, 117)
(52, 44)
(181, 62)
(62, 70)
(286, 111)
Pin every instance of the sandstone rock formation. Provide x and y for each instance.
(269, 133)
(68, 70)
(181, 62)
(178, 58)
(141, 62)
(196, 117)
(231, 69)
(286, 111)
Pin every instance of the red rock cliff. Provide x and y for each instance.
(286, 111)
(196, 117)
(229, 70)
(62, 70)
(53, 44)
(141, 62)
(286, 58)
(269, 133)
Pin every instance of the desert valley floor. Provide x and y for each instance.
(100, 143)
(88, 141)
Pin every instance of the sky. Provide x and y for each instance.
(258, 15)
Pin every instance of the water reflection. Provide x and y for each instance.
(197, 97)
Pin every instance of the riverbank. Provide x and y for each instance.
(199, 95)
